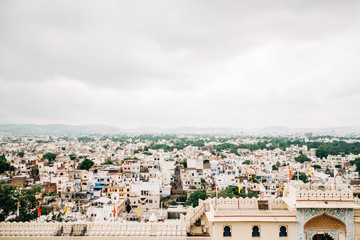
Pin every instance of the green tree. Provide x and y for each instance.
(316, 166)
(253, 179)
(250, 194)
(356, 162)
(185, 163)
(328, 171)
(181, 198)
(247, 162)
(4, 165)
(49, 156)
(322, 152)
(72, 156)
(7, 202)
(20, 154)
(109, 162)
(229, 191)
(302, 177)
(233, 191)
(28, 203)
(195, 196)
(302, 158)
(274, 167)
(86, 164)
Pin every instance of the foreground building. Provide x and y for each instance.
(305, 212)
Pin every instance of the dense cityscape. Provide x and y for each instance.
(181, 120)
(87, 179)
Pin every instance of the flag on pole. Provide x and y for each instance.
(139, 210)
(215, 186)
(335, 170)
(114, 212)
(18, 209)
(239, 186)
(290, 173)
(216, 195)
(67, 210)
(310, 171)
(39, 210)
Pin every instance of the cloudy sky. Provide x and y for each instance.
(180, 63)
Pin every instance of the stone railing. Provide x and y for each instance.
(329, 195)
(29, 229)
(234, 203)
(193, 214)
(319, 186)
(278, 203)
(174, 228)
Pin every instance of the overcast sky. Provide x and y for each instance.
(179, 63)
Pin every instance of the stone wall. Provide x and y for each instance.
(173, 228)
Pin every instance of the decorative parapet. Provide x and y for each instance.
(194, 214)
(319, 186)
(29, 229)
(278, 203)
(138, 229)
(234, 203)
(325, 195)
(175, 228)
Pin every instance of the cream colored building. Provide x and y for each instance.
(306, 212)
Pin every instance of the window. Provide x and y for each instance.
(283, 231)
(256, 231)
(227, 231)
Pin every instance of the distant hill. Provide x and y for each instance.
(189, 130)
(31, 129)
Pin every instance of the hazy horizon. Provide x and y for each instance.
(171, 64)
(184, 126)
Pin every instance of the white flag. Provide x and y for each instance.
(335, 170)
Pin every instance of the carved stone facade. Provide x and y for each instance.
(335, 222)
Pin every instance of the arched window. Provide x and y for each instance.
(283, 231)
(227, 231)
(256, 231)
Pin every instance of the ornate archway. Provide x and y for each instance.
(324, 227)
(324, 236)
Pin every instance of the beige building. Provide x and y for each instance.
(305, 212)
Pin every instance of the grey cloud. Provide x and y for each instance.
(179, 62)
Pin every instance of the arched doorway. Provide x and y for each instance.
(322, 237)
(324, 227)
